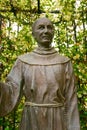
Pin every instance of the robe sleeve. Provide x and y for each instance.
(11, 90)
(71, 105)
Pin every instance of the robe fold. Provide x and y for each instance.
(44, 77)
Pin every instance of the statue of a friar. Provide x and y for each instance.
(46, 80)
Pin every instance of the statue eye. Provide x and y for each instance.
(41, 27)
(49, 27)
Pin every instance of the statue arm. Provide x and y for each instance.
(71, 106)
(11, 90)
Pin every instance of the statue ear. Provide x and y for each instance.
(33, 35)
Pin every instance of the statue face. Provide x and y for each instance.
(43, 31)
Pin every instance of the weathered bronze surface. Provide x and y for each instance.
(47, 81)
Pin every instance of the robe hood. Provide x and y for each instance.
(43, 57)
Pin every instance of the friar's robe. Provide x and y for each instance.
(44, 77)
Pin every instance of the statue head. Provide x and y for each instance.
(43, 31)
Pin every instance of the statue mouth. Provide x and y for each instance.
(46, 36)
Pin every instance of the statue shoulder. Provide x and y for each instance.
(25, 57)
(63, 59)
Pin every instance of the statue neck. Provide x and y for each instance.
(45, 51)
(44, 48)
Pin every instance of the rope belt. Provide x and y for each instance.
(43, 105)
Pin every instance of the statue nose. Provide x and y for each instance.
(45, 30)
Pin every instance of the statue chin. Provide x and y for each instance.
(45, 44)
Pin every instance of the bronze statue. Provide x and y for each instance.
(47, 81)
